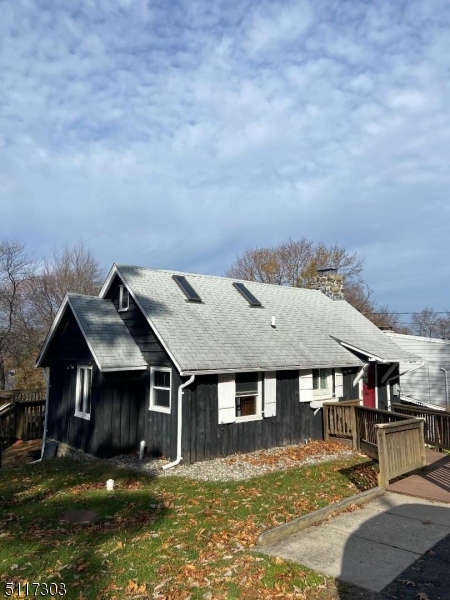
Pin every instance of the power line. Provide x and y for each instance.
(435, 312)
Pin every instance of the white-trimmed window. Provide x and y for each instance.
(83, 392)
(247, 400)
(124, 298)
(240, 397)
(160, 389)
(322, 383)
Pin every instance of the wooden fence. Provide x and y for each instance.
(34, 394)
(436, 427)
(7, 425)
(393, 439)
(22, 414)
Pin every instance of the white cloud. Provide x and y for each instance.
(177, 135)
(274, 24)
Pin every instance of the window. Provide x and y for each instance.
(83, 392)
(247, 395)
(240, 396)
(322, 382)
(124, 298)
(160, 389)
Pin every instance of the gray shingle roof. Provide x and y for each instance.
(105, 332)
(224, 332)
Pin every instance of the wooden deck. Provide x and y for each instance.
(432, 483)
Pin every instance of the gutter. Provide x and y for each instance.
(405, 372)
(272, 368)
(179, 458)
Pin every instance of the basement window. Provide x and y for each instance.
(83, 392)
(160, 389)
(124, 298)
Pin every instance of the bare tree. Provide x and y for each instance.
(428, 323)
(295, 263)
(348, 264)
(358, 294)
(16, 271)
(73, 269)
(262, 264)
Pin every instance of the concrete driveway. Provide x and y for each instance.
(376, 546)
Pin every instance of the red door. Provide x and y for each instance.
(369, 386)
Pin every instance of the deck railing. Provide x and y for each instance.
(20, 395)
(22, 415)
(393, 439)
(401, 448)
(436, 427)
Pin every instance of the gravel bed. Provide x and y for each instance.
(238, 467)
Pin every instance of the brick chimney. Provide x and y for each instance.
(329, 282)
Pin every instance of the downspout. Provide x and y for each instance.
(179, 458)
(44, 433)
(446, 384)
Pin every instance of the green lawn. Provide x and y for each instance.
(170, 536)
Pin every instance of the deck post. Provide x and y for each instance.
(354, 426)
(19, 421)
(326, 435)
(422, 445)
(383, 477)
(437, 434)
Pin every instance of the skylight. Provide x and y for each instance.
(187, 288)
(247, 294)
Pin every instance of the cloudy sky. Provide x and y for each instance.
(177, 134)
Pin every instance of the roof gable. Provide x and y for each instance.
(107, 337)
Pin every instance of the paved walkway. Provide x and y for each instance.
(432, 483)
(371, 547)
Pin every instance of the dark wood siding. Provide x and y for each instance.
(117, 410)
(68, 342)
(139, 328)
(120, 415)
(205, 438)
(351, 392)
(161, 428)
(117, 422)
